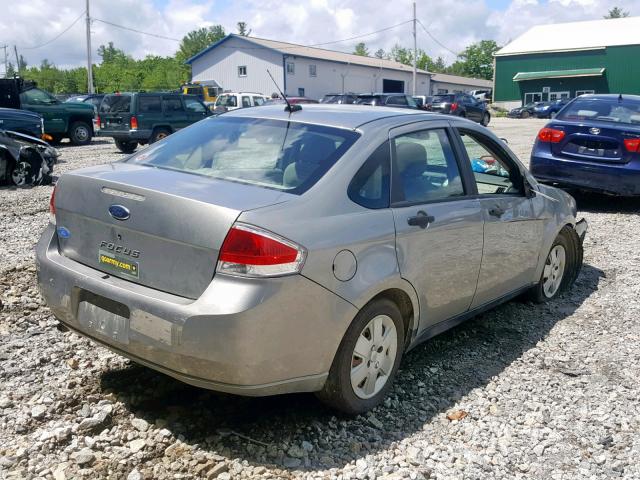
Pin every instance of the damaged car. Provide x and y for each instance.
(25, 160)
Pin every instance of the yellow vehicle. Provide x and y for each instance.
(206, 93)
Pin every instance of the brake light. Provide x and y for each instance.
(550, 135)
(632, 144)
(52, 207)
(250, 251)
(454, 106)
(134, 123)
(98, 119)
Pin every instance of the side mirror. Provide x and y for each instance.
(504, 140)
(529, 192)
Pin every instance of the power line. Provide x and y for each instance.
(57, 36)
(438, 41)
(134, 30)
(361, 36)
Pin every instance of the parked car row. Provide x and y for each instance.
(538, 109)
(462, 105)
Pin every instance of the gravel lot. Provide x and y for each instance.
(525, 391)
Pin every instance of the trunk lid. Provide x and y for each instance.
(174, 227)
(596, 141)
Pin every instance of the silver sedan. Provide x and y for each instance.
(264, 251)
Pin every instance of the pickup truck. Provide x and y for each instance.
(73, 120)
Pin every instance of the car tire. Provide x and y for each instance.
(159, 134)
(80, 133)
(486, 118)
(357, 388)
(525, 114)
(562, 266)
(126, 146)
(23, 173)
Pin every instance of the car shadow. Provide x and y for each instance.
(599, 203)
(432, 378)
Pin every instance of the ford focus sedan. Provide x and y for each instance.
(264, 252)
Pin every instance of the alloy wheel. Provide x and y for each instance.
(81, 133)
(20, 174)
(554, 271)
(374, 356)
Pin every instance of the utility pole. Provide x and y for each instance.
(89, 65)
(6, 62)
(15, 50)
(415, 48)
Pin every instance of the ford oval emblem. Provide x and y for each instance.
(594, 131)
(119, 212)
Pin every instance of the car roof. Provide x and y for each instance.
(610, 96)
(333, 115)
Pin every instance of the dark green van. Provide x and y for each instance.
(133, 119)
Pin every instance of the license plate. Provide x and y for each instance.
(118, 264)
(103, 322)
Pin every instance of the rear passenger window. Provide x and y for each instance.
(149, 105)
(246, 102)
(258, 101)
(172, 104)
(426, 168)
(370, 186)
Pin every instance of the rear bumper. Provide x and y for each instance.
(618, 179)
(242, 336)
(134, 135)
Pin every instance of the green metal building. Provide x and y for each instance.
(566, 60)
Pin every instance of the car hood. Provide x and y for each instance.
(12, 113)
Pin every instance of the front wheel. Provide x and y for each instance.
(23, 173)
(367, 360)
(80, 133)
(485, 119)
(561, 267)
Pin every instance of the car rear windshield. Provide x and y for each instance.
(603, 110)
(277, 154)
(443, 98)
(366, 99)
(227, 101)
(116, 104)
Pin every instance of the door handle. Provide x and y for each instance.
(421, 219)
(496, 211)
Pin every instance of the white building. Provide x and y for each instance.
(444, 83)
(238, 63)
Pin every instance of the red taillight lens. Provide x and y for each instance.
(550, 135)
(454, 106)
(52, 206)
(98, 119)
(252, 252)
(632, 144)
(134, 123)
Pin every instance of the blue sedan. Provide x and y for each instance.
(592, 144)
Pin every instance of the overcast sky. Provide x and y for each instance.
(454, 23)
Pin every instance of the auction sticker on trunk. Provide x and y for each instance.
(118, 264)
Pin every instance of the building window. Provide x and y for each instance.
(442, 91)
(312, 71)
(291, 68)
(584, 92)
(242, 71)
(301, 92)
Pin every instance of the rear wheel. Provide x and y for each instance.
(80, 133)
(126, 146)
(486, 118)
(159, 134)
(561, 267)
(367, 360)
(524, 114)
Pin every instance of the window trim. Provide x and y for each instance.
(584, 92)
(395, 184)
(293, 68)
(315, 70)
(245, 71)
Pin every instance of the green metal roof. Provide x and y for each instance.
(576, 72)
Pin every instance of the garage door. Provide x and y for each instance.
(392, 86)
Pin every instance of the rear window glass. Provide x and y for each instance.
(227, 101)
(443, 98)
(602, 110)
(277, 154)
(366, 99)
(116, 104)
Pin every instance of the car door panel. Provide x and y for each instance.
(438, 239)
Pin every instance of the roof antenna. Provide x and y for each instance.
(619, 98)
(289, 108)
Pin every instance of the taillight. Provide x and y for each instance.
(250, 251)
(98, 119)
(632, 144)
(454, 106)
(134, 123)
(550, 135)
(52, 207)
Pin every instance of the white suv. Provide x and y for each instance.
(233, 100)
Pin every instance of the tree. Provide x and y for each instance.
(197, 40)
(401, 54)
(616, 12)
(380, 53)
(439, 66)
(477, 59)
(242, 29)
(361, 49)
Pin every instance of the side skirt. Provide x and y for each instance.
(445, 325)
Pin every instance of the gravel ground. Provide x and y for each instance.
(524, 391)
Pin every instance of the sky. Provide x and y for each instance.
(454, 23)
